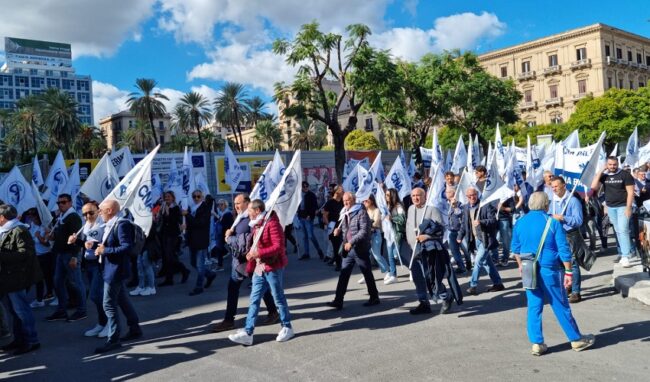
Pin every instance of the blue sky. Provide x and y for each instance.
(199, 44)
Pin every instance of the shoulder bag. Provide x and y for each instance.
(529, 262)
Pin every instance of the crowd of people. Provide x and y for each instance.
(98, 252)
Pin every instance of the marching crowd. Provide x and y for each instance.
(97, 253)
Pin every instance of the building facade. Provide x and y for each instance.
(34, 66)
(554, 73)
(114, 125)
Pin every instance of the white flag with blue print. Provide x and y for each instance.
(56, 178)
(126, 189)
(632, 149)
(269, 179)
(460, 157)
(37, 175)
(16, 191)
(72, 186)
(232, 169)
(101, 181)
(287, 195)
(399, 179)
(386, 225)
(43, 212)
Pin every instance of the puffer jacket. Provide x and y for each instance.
(19, 267)
(271, 246)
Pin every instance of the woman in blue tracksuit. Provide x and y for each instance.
(553, 273)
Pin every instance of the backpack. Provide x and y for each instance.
(139, 239)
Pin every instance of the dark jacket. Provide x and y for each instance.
(455, 217)
(115, 261)
(62, 231)
(310, 206)
(171, 222)
(19, 267)
(359, 227)
(198, 228)
(486, 231)
(239, 242)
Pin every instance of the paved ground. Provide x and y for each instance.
(484, 339)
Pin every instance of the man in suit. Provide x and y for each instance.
(307, 213)
(197, 221)
(114, 252)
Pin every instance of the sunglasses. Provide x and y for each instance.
(60, 202)
(89, 213)
(196, 196)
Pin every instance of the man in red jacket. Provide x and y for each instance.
(266, 262)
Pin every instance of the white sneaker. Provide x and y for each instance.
(387, 276)
(625, 262)
(94, 331)
(37, 304)
(136, 291)
(55, 302)
(103, 333)
(361, 281)
(241, 337)
(390, 280)
(285, 334)
(410, 277)
(148, 292)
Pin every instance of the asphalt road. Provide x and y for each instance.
(484, 339)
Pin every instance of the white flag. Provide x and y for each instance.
(175, 180)
(187, 177)
(200, 184)
(125, 191)
(377, 169)
(436, 196)
(366, 184)
(534, 170)
(644, 154)
(632, 149)
(72, 186)
(578, 165)
(572, 141)
(513, 176)
(386, 225)
(122, 161)
(269, 179)
(15, 191)
(615, 151)
(398, 179)
(351, 183)
(460, 156)
(449, 161)
(156, 187)
(43, 212)
(464, 183)
(141, 201)
(232, 169)
(37, 175)
(495, 188)
(499, 152)
(56, 178)
(101, 180)
(436, 153)
(286, 197)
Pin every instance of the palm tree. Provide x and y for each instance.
(213, 140)
(197, 110)
(394, 136)
(138, 138)
(146, 104)
(309, 135)
(180, 120)
(256, 111)
(267, 136)
(88, 142)
(58, 116)
(230, 109)
(25, 119)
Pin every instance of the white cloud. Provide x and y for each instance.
(93, 27)
(411, 6)
(173, 95)
(461, 31)
(107, 100)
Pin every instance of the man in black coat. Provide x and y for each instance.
(480, 226)
(197, 221)
(307, 213)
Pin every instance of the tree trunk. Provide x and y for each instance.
(339, 155)
(153, 131)
(198, 132)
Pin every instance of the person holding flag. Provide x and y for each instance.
(198, 239)
(170, 219)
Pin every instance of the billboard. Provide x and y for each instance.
(252, 166)
(162, 163)
(86, 166)
(47, 53)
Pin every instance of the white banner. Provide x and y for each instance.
(15, 191)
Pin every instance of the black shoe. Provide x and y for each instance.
(196, 291)
(186, 274)
(209, 280)
(496, 288)
(272, 318)
(472, 291)
(166, 283)
(372, 302)
(132, 284)
(321, 255)
(76, 316)
(460, 271)
(334, 304)
(132, 335)
(422, 308)
(304, 257)
(223, 326)
(446, 306)
(26, 348)
(109, 346)
(337, 268)
(13, 345)
(59, 315)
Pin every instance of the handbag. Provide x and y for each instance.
(529, 262)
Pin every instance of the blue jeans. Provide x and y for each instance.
(621, 225)
(272, 280)
(393, 252)
(375, 249)
(96, 282)
(455, 248)
(24, 322)
(577, 278)
(63, 271)
(483, 260)
(145, 271)
(549, 287)
(505, 231)
(308, 226)
(197, 259)
(115, 295)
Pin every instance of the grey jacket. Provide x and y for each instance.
(415, 217)
(359, 226)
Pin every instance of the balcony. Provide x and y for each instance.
(526, 75)
(552, 70)
(643, 66)
(557, 101)
(528, 105)
(634, 65)
(584, 63)
(611, 60)
(578, 97)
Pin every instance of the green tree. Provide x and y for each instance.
(179, 142)
(309, 135)
(396, 137)
(231, 109)
(90, 143)
(334, 78)
(180, 120)
(138, 137)
(267, 136)
(213, 141)
(196, 108)
(146, 104)
(256, 107)
(361, 140)
(58, 117)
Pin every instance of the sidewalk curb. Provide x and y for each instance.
(632, 282)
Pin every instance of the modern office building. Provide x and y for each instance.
(114, 125)
(33, 66)
(554, 73)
